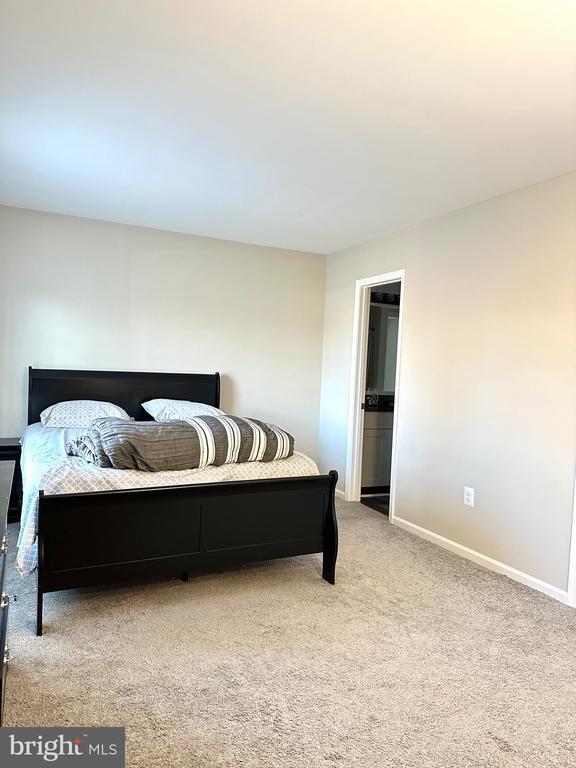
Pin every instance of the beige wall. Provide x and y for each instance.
(488, 377)
(77, 293)
(488, 361)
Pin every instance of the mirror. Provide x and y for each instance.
(382, 348)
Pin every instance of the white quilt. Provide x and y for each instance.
(45, 466)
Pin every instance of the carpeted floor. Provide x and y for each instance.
(415, 659)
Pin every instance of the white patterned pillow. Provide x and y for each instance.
(163, 409)
(79, 413)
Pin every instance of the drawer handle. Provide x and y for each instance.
(6, 600)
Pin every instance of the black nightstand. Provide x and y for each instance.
(10, 451)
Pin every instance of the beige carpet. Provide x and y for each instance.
(415, 658)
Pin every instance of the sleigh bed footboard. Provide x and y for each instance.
(86, 539)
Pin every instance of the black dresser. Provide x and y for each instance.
(6, 478)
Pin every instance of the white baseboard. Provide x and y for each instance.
(340, 494)
(487, 562)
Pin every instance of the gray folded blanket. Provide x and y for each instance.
(153, 446)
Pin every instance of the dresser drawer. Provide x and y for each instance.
(3, 560)
(6, 475)
(4, 655)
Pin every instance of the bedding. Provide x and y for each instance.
(173, 445)
(46, 466)
(164, 409)
(79, 413)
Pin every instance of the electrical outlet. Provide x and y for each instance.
(468, 496)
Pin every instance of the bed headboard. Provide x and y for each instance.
(129, 390)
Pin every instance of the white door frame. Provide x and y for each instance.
(358, 384)
(571, 596)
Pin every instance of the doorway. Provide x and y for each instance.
(374, 395)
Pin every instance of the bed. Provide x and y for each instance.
(170, 522)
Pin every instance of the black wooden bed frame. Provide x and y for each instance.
(100, 537)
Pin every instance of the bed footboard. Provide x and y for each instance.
(93, 538)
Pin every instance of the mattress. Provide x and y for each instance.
(45, 466)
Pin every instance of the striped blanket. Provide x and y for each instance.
(154, 447)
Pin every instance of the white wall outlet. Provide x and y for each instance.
(468, 496)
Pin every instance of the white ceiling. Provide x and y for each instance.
(306, 124)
